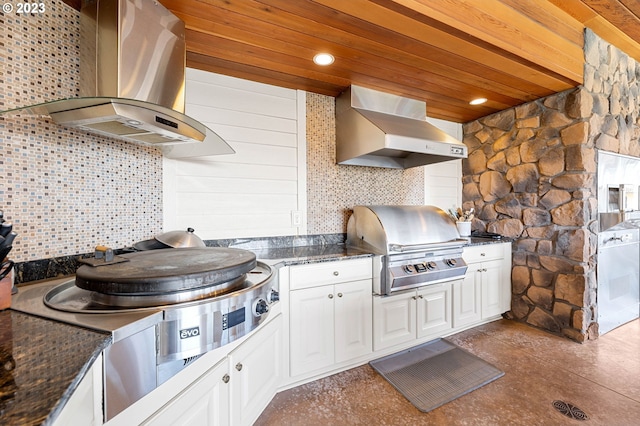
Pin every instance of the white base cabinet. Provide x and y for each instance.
(330, 314)
(236, 390)
(412, 315)
(467, 299)
(84, 407)
(205, 402)
(256, 371)
(486, 290)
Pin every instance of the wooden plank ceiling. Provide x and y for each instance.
(445, 52)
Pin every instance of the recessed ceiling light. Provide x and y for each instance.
(323, 59)
(478, 101)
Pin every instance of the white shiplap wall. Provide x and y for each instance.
(443, 181)
(258, 190)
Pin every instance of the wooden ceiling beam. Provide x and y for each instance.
(590, 18)
(501, 26)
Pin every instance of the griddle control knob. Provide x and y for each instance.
(450, 262)
(274, 296)
(431, 265)
(409, 269)
(260, 307)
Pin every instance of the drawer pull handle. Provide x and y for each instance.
(483, 254)
(331, 296)
(339, 294)
(336, 273)
(239, 367)
(225, 378)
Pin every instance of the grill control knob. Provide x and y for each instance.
(260, 307)
(450, 262)
(409, 269)
(431, 265)
(274, 296)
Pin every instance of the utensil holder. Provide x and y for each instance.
(464, 228)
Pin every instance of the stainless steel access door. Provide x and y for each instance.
(618, 278)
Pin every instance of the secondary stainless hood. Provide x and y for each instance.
(132, 80)
(383, 130)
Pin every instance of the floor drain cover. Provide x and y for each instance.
(570, 410)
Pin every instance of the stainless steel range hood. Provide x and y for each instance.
(383, 130)
(132, 80)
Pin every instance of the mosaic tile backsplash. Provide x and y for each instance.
(333, 189)
(65, 191)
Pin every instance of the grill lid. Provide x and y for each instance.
(170, 270)
(386, 229)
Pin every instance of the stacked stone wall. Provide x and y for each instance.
(531, 175)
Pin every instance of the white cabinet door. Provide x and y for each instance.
(311, 329)
(434, 309)
(394, 320)
(205, 402)
(256, 372)
(492, 288)
(490, 267)
(467, 300)
(353, 320)
(84, 407)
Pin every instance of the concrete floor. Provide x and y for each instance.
(602, 378)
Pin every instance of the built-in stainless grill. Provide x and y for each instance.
(415, 245)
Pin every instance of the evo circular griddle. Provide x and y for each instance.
(158, 272)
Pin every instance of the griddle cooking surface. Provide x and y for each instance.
(167, 270)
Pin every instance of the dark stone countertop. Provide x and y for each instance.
(42, 362)
(336, 252)
(310, 254)
(479, 241)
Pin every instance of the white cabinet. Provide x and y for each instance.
(236, 390)
(330, 314)
(205, 402)
(256, 369)
(467, 300)
(413, 315)
(486, 289)
(84, 407)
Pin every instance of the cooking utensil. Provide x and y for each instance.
(4, 252)
(5, 268)
(5, 229)
(8, 240)
(180, 239)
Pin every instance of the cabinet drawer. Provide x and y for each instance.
(312, 275)
(475, 254)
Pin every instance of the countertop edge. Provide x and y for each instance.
(66, 395)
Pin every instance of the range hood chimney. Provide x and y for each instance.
(132, 80)
(379, 129)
